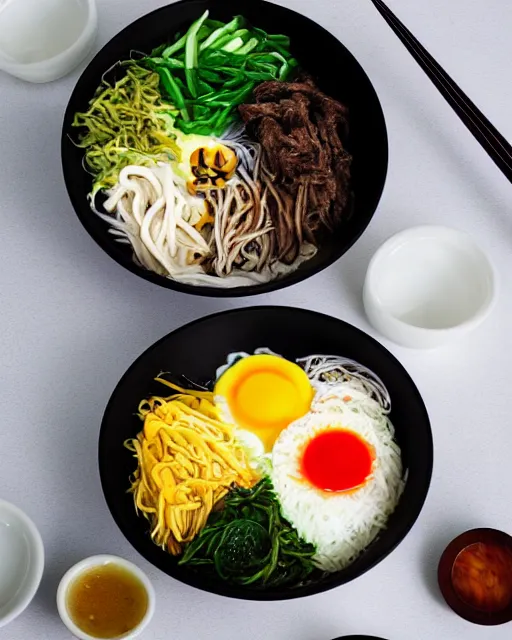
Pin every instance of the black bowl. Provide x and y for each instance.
(358, 638)
(338, 74)
(196, 350)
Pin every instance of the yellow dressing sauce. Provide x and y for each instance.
(107, 601)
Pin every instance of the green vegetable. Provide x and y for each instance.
(284, 40)
(174, 48)
(170, 63)
(172, 89)
(233, 44)
(242, 546)
(127, 123)
(248, 46)
(218, 65)
(203, 32)
(220, 32)
(191, 61)
(250, 543)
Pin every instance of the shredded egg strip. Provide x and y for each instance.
(187, 461)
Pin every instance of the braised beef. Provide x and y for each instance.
(303, 134)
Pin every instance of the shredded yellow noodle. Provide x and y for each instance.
(187, 461)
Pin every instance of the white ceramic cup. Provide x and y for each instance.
(427, 286)
(21, 561)
(98, 561)
(43, 40)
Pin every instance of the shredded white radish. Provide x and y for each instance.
(341, 525)
(333, 369)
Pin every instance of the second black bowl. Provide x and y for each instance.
(196, 350)
(337, 72)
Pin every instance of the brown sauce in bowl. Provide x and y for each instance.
(482, 576)
(107, 601)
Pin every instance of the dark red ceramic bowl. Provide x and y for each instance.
(475, 576)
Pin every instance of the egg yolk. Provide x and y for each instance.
(265, 393)
(337, 460)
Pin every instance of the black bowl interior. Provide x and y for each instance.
(196, 350)
(337, 73)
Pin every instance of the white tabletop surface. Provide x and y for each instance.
(72, 321)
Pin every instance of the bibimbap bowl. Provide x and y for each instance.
(290, 219)
(232, 453)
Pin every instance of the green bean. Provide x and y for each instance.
(174, 48)
(170, 63)
(191, 60)
(216, 65)
(204, 87)
(233, 45)
(171, 88)
(248, 47)
(235, 80)
(214, 24)
(169, 51)
(221, 31)
(281, 39)
(223, 119)
(209, 75)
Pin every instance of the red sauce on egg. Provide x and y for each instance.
(337, 460)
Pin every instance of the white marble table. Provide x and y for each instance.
(71, 322)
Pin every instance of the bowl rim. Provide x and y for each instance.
(94, 561)
(444, 570)
(291, 279)
(358, 637)
(440, 232)
(32, 580)
(308, 589)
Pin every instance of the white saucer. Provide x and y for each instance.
(21, 561)
(427, 286)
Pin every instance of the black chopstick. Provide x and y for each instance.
(485, 132)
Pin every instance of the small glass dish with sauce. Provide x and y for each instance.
(105, 598)
(475, 576)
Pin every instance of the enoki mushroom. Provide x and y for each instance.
(244, 233)
(158, 218)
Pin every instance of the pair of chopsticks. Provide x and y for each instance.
(486, 133)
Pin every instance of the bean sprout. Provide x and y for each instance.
(335, 369)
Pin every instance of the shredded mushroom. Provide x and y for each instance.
(241, 234)
(254, 220)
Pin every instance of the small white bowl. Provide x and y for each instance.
(43, 40)
(97, 561)
(427, 286)
(21, 561)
